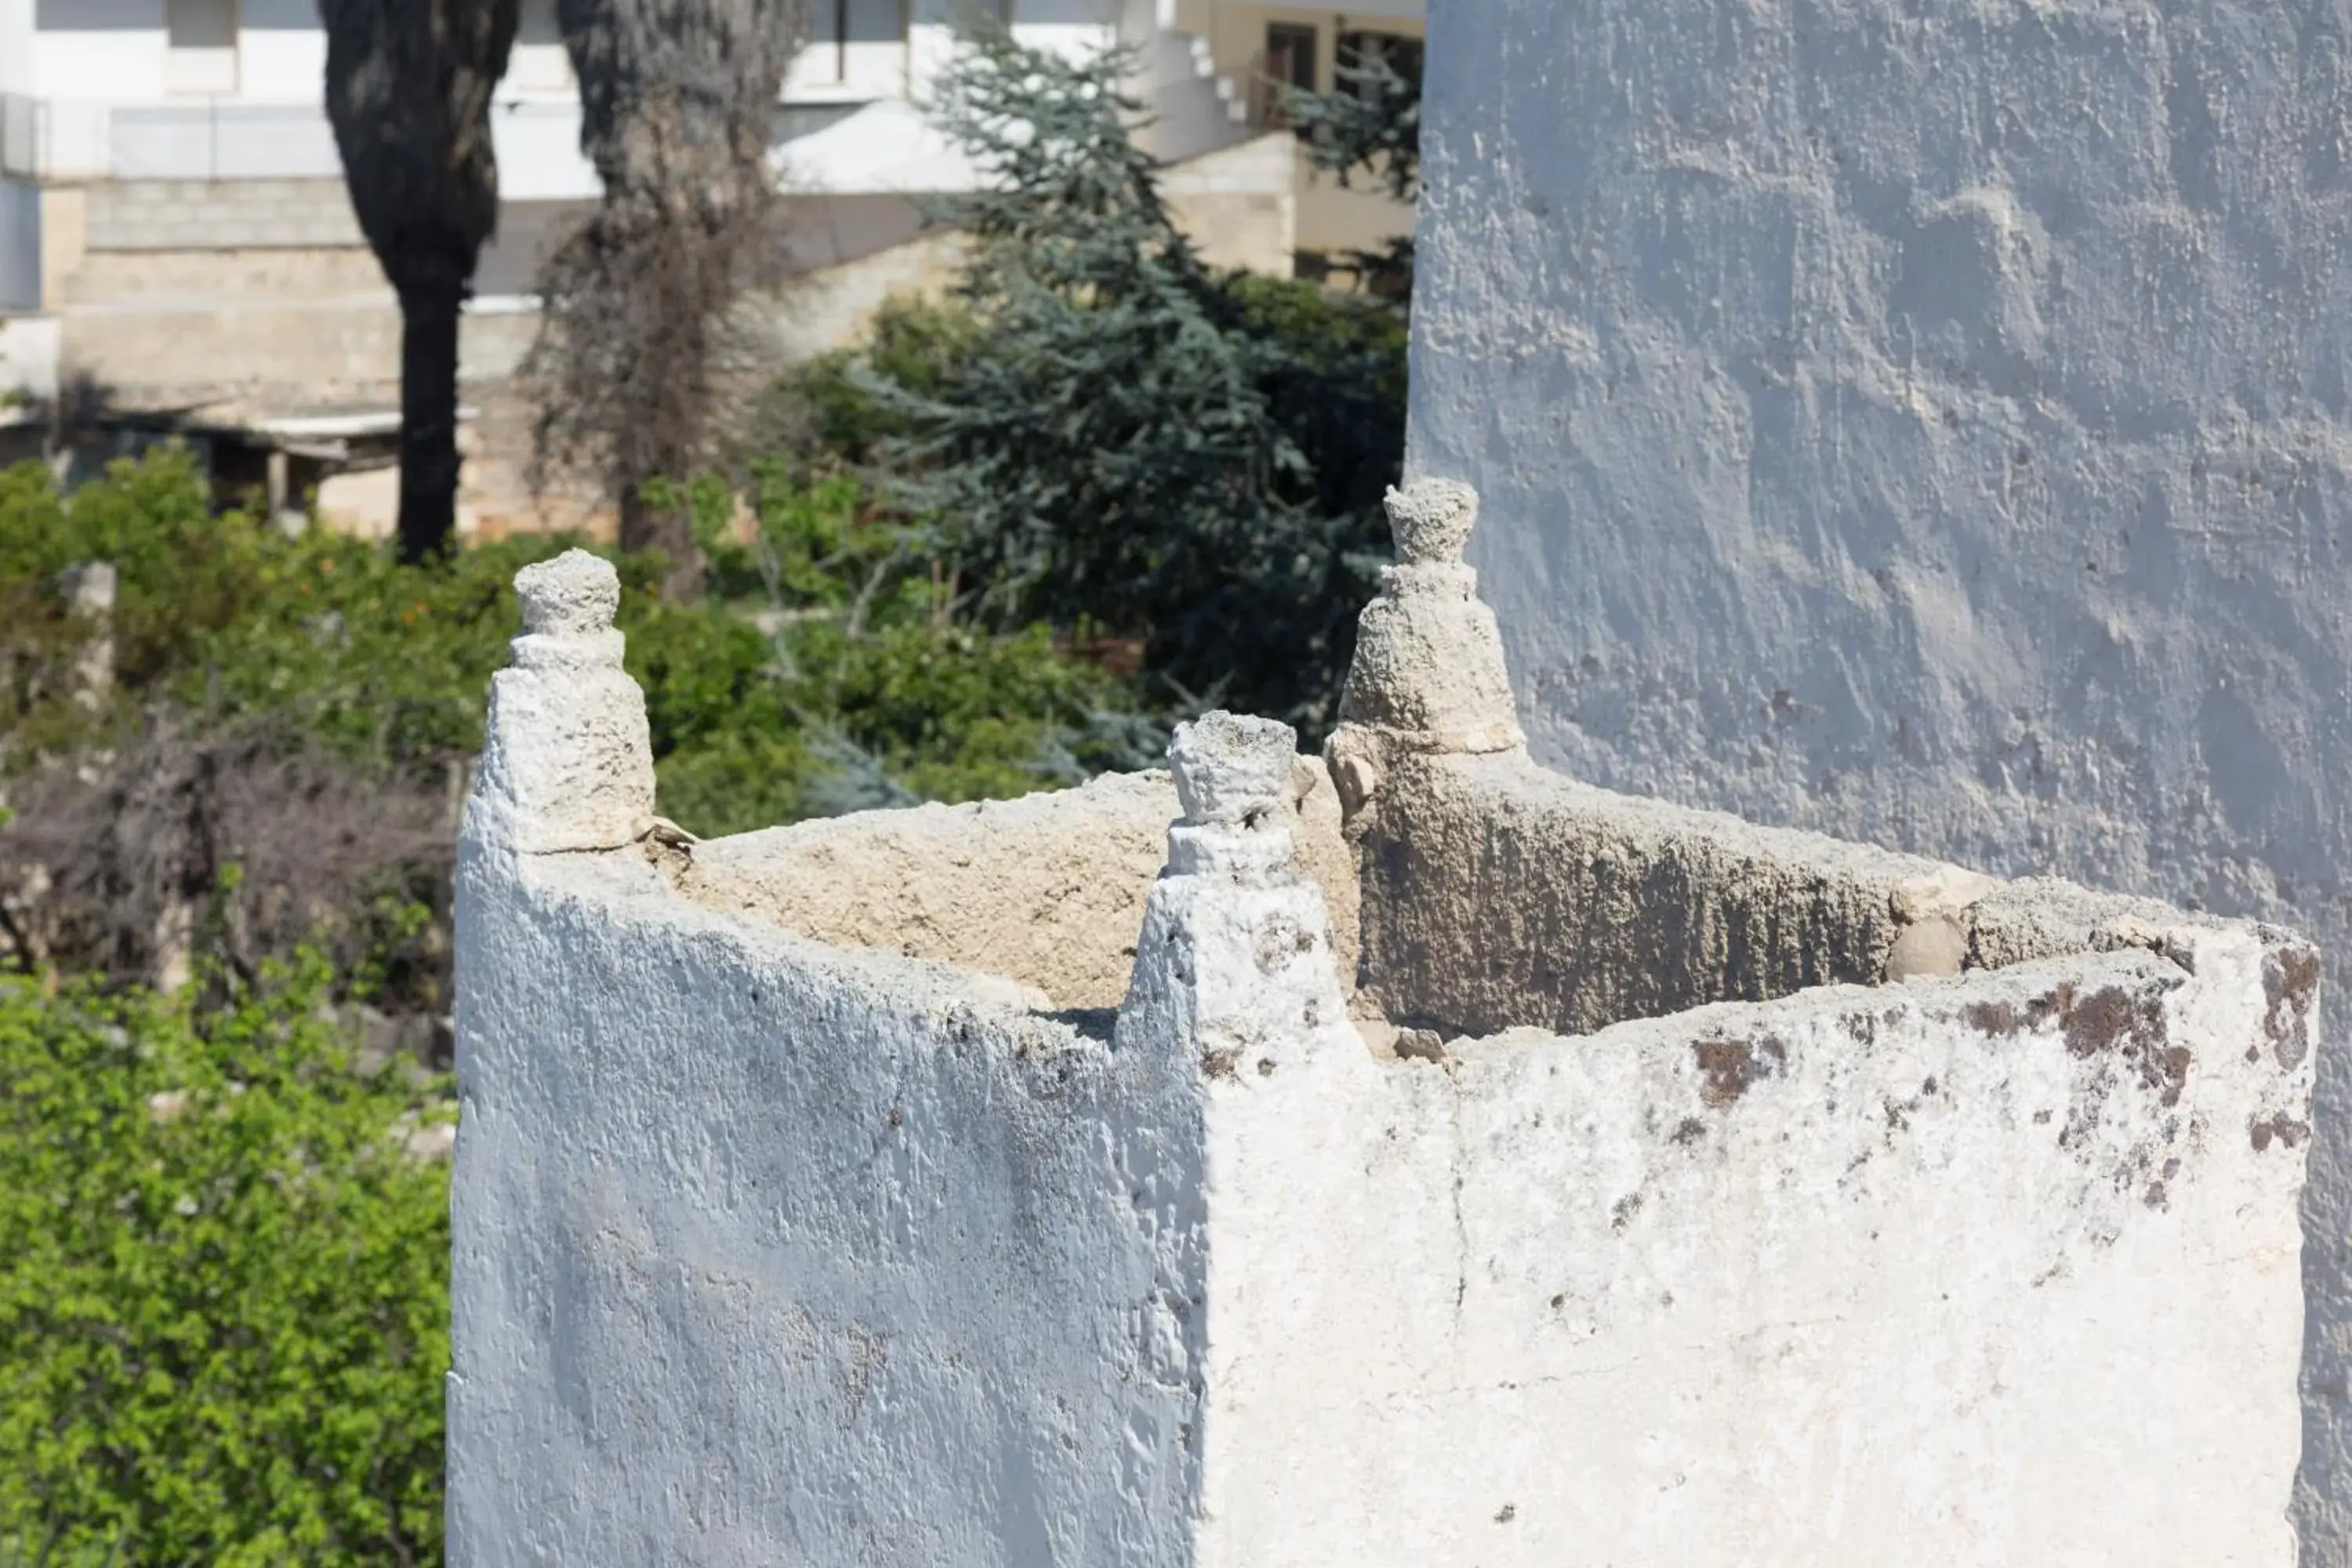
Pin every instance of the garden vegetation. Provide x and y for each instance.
(1001, 546)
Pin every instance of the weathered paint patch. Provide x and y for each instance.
(2290, 988)
(2286, 1131)
(1728, 1069)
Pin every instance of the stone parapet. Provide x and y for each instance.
(1253, 1166)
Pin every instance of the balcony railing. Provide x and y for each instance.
(41, 137)
(219, 139)
(226, 139)
(203, 139)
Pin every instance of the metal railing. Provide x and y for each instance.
(213, 138)
(217, 139)
(227, 138)
(203, 139)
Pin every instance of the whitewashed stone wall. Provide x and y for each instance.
(1928, 424)
(1871, 1212)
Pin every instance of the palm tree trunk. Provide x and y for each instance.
(428, 421)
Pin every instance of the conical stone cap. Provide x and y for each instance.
(1428, 674)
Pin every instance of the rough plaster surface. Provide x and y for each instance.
(1898, 1277)
(768, 1250)
(1047, 889)
(1500, 893)
(1926, 424)
(770, 1255)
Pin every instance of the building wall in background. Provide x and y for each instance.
(15, 46)
(282, 49)
(1332, 218)
(96, 49)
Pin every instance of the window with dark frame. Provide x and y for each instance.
(1292, 56)
(840, 24)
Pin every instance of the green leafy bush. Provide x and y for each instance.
(225, 614)
(223, 1297)
(267, 686)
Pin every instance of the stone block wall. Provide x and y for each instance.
(220, 214)
(1403, 1156)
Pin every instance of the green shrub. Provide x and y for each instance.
(387, 665)
(223, 1301)
(912, 342)
(225, 614)
(836, 675)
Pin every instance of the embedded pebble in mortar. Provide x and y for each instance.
(1935, 946)
(1933, 911)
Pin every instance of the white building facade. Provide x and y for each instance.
(174, 228)
(230, 91)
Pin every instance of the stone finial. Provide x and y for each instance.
(1233, 769)
(1428, 675)
(90, 589)
(1234, 780)
(1237, 945)
(576, 594)
(1431, 520)
(569, 605)
(567, 763)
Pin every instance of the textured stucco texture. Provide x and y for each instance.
(1939, 1223)
(1045, 891)
(1927, 424)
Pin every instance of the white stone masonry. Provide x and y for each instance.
(1476, 1167)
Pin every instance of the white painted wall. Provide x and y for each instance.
(16, 46)
(538, 142)
(759, 1286)
(866, 58)
(1580, 1303)
(1926, 424)
(281, 51)
(903, 1333)
(539, 64)
(98, 49)
(29, 355)
(767, 1251)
